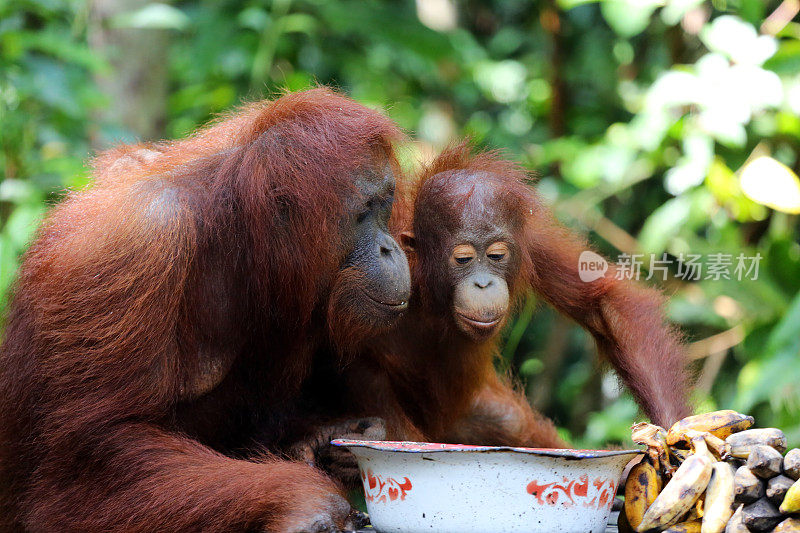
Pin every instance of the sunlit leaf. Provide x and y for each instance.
(787, 59)
(299, 22)
(254, 18)
(153, 16)
(722, 183)
(674, 10)
(663, 224)
(439, 15)
(628, 18)
(769, 182)
(693, 166)
(22, 224)
(504, 81)
(531, 367)
(18, 191)
(569, 4)
(677, 215)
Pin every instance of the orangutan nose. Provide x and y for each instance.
(388, 246)
(483, 281)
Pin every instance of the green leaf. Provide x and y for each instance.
(61, 46)
(22, 224)
(772, 377)
(664, 223)
(785, 333)
(153, 16)
(569, 4)
(724, 185)
(628, 18)
(531, 367)
(612, 424)
(786, 60)
(299, 22)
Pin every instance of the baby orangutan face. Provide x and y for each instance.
(469, 249)
(480, 293)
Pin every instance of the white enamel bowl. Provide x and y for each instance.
(413, 487)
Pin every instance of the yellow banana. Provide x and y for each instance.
(679, 454)
(699, 507)
(692, 526)
(791, 502)
(680, 494)
(695, 512)
(721, 424)
(623, 526)
(641, 489)
(790, 525)
(718, 505)
(719, 447)
(655, 438)
(743, 442)
(699, 445)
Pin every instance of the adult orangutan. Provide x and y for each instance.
(164, 320)
(478, 238)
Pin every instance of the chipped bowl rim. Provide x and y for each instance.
(435, 447)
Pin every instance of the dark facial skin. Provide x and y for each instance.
(478, 265)
(479, 262)
(476, 250)
(375, 255)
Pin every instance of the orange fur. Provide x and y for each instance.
(167, 316)
(431, 382)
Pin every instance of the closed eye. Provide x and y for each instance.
(463, 254)
(366, 210)
(497, 251)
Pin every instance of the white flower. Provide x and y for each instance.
(738, 40)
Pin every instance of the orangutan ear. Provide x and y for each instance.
(407, 241)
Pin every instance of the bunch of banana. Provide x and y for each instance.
(711, 473)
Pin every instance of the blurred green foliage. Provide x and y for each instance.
(638, 116)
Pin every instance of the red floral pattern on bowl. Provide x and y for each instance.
(575, 492)
(380, 491)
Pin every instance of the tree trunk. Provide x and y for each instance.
(136, 84)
